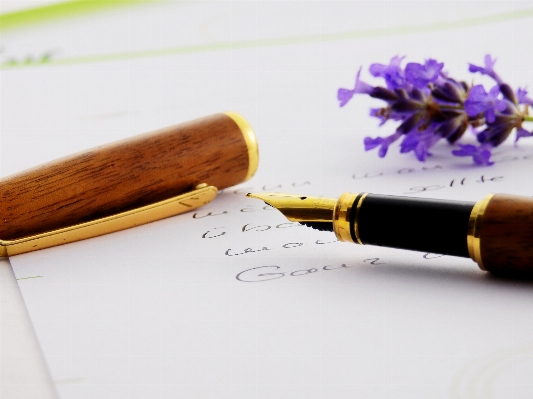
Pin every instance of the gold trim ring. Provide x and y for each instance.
(251, 142)
(356, 219)
(341, 216)
(474, 230)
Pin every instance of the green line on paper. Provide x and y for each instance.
(26, 278)
(221, 46)
(66, 9)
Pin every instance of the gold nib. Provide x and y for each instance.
(299, 208)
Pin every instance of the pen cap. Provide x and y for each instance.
(220, 150)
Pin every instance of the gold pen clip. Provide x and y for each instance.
(182, 203)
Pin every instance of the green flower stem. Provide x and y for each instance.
(441, 106)
(528, 118)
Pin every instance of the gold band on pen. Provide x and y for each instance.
(356, 219)
(341, 216)
(474, 230)
(251, 142)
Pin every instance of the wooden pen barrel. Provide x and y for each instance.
(501, 234)
(219, 150)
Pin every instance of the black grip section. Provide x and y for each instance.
(417, 224)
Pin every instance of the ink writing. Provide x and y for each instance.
(249, 228)
(274, 272)
(497, 158)
(455, 183)
(289, 245)
(268, 187)
(266, 273)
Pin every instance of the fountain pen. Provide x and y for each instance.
(496, 232)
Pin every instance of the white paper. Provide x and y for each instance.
(232, 300)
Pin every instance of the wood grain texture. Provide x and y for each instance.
(123, 175)
(506, 235)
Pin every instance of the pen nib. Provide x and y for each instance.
(299, 208)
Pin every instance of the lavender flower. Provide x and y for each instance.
(488, 69)
(480, 101)
(431, 106)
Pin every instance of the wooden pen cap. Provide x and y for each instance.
(500, 234)
(219, 150)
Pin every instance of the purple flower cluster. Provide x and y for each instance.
(431, 106)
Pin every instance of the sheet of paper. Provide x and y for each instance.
(232, 300)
